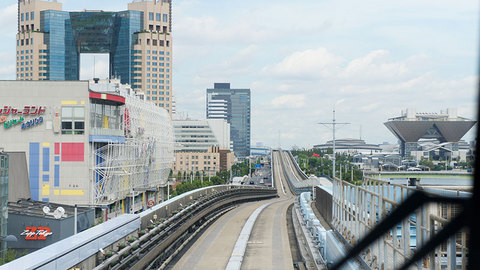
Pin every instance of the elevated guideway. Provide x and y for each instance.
(297, 180)
(142, 241)
(267, 246)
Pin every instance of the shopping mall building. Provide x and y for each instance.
(87, 143)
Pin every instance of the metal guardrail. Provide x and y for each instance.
(115, 244)
(297, 187)
(357, 210)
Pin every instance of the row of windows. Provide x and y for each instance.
(104, 116)
(25, 75)
(156, 58)
(196, 157)
(27, 16)
(155, 42)
(196, 162)
(159, 87)
(73, 120)
(204, 168)
(28, 28)
(157, 81)
(157, 16)
(155, 64)
(28, 69)
(159, 98)
(158, 69)
(24, 42)
(24, 63)
(159, 93)
(26, 52)
(159, 52)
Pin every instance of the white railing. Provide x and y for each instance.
(357, 209)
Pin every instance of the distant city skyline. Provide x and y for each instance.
(369, 59)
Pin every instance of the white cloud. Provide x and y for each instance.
(289, 101)
(306, 64)
(8, 21)
(7, 69)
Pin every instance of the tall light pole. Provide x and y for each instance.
(333, 124)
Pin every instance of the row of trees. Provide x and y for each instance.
(196, 180)
(193, 181)
(314, 161)
(445, 166)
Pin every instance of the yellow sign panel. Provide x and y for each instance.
(46, 190)
(74, 192)
(69, 102)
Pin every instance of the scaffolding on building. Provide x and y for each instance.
(142, 162)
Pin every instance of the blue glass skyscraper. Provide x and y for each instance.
(138, 41)
(232, 105)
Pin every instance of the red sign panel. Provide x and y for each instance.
(27, 110)
(73, 152)
(151, 203)
(36, 233)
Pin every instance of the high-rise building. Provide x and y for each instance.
(200, 135)
(138, 41)
(232, 105)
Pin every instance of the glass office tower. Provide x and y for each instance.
(232, 105)
(138, 41)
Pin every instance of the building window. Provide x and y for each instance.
(31, 16)
(150, 16)
(158, 16)
(73, 120)
(26, 16)
(23, 18)
(165, 18)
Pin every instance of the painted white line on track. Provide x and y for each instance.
(280, 178)
(235, 262)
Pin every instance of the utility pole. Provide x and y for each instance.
(333, 124)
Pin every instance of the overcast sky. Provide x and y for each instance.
(369, 59)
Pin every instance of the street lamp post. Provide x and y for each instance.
(333, 124)
(7, 238)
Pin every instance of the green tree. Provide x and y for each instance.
(11, 255)
(427, 163)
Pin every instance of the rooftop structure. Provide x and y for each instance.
(38, 224)
(350, 146)
(447, 128)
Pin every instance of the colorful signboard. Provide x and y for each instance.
(13, 122)
(27, 110)
(32, 123)
(36, 233)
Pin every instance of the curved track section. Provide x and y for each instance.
(268, 246)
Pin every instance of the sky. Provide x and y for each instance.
(301, 59)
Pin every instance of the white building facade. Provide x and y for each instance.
(88, 143)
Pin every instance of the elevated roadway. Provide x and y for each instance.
(268, 246)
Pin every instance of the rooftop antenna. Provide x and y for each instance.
(333, 124)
